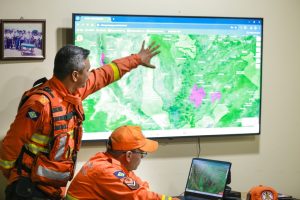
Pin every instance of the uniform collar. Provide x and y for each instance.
(58, 86)
(116, 162)
(61, 89)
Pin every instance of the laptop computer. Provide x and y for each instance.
(207, 179)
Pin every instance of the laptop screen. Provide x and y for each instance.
(207, 178)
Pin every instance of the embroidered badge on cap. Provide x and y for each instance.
(131, 183)
(119, 174)
(31, 114)
(267, 195)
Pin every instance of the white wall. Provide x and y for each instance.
(271, 158)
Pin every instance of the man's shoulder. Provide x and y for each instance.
(104, 164)
(42, 95)
(37, 102)
(38, 98)
(100, 159)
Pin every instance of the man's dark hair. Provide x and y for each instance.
(68, 59)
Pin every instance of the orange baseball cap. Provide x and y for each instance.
(127, 138)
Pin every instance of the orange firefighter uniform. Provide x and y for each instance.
(31, 143)
(104, 177)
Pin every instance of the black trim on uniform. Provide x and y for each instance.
(57, 109)
(64, 117)
(60, 127)
(47, 89)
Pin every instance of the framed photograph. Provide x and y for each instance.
(23, 39)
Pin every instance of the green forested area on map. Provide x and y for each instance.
(203, 81)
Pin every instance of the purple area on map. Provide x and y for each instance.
(215, 96)
(102, 59)
(197, 95)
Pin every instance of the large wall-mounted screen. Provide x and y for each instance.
(207, 80)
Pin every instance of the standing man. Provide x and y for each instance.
(38, 154)
(109, 175)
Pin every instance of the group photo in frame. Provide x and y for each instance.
(23, 39)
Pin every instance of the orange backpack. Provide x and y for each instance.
(262, 193)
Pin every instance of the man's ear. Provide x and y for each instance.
(128, 156)
(75, 76)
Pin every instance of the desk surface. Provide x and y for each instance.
(234, 196)
(244, 196)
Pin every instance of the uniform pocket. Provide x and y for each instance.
(54, 173)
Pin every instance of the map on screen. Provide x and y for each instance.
(207, 79)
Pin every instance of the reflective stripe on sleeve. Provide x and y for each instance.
(40, 139)
(54, 175)
(115, 70)
(35, 149)
(164, 197)
(71, 133)
(6, 164)
(69, 197)
(61, 148)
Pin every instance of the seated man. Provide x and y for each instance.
(109, 175)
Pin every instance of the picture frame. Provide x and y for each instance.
(23, 39)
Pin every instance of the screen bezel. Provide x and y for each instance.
(211, 196)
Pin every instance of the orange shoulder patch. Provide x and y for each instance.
(132, 184)
(43, 100)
